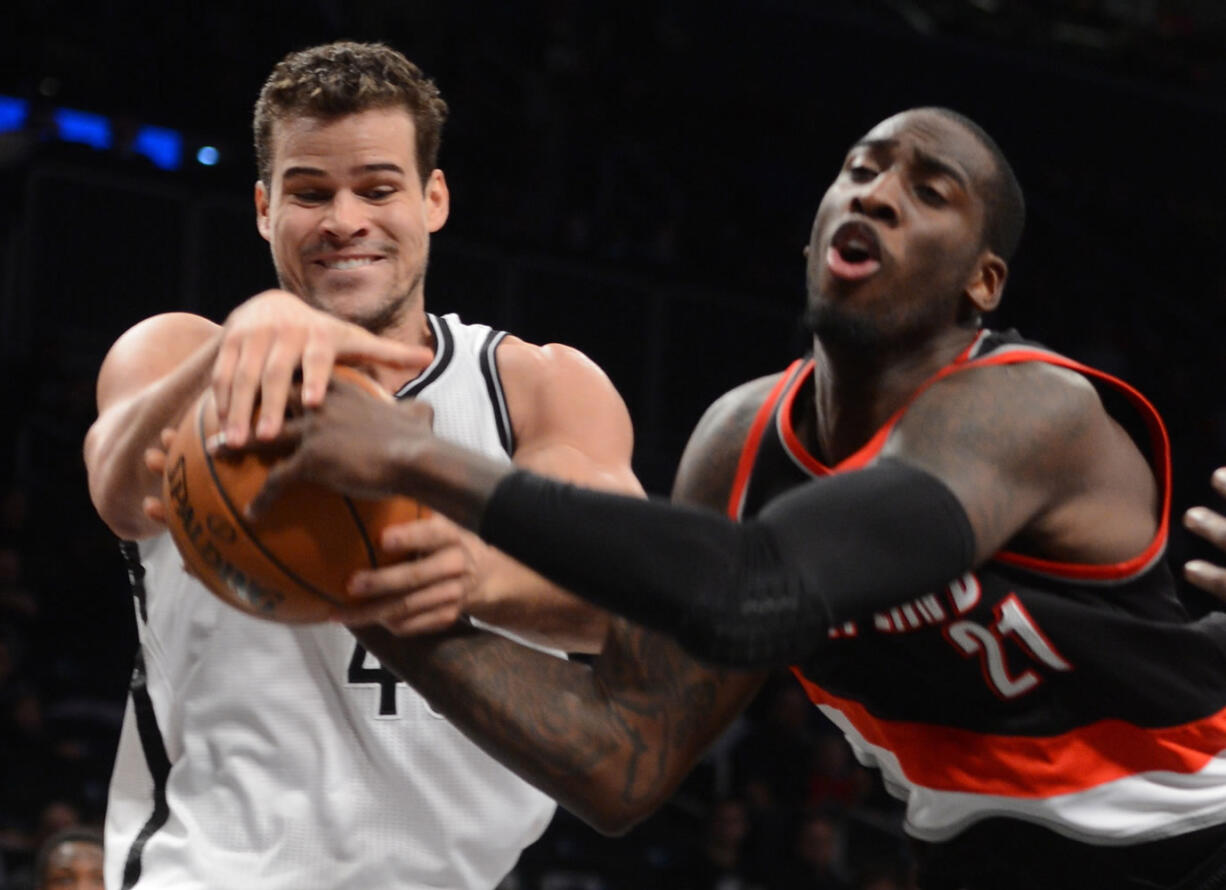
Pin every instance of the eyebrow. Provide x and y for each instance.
(383, 167)
(924, 160)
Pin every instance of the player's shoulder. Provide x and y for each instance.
(171, 334)
(519, 358)
(150, 349)
(552, 372)
(708, 465)
(556, 390)
(731, 415)
(1016, 393)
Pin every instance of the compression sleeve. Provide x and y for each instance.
(763, 592)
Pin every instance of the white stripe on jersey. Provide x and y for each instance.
(1143, 807)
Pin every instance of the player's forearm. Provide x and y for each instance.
(755, 594)
(518, 599)
(549, 720)
(116, 443)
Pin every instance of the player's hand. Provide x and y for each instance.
(352, 443)
(267, 338)
(1211, 526)
(155, 463)
(428, 592)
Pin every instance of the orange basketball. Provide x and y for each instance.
(291, 564)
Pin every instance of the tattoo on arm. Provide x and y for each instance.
(610, 742)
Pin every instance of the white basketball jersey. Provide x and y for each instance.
(258, 756)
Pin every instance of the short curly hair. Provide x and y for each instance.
(342, 78)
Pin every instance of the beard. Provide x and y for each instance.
(837, 326)
(379, 318)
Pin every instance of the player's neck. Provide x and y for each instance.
(413, 328)
(856, 391)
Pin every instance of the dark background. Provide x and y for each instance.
(635, 179)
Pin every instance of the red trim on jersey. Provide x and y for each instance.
(1011, 355)
(749, 451)
(787, 432)
(1162, 456)
(948, 759)
(864, 455)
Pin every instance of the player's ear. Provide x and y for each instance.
(438, 200)
(261, 211)
(987, 282)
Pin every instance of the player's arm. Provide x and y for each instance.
(155, 370)
(569, 423)
(1036, 463)
(982, 458)
(149, 377)
(1024, 455)
(610, 742)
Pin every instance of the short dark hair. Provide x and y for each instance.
(342, 78)
(76, 834)
(1006, 206)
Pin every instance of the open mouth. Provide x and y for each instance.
(855, 251)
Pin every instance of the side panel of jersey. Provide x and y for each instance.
(1013, 691)
(260, 755)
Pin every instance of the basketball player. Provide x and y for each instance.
(945, 531)
(70, 860)
(256, 755)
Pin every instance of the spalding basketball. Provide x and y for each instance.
(293, 562)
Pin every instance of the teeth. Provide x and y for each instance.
(341, 265)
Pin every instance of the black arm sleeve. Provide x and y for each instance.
(757, 593)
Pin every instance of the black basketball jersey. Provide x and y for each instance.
(1081, 699)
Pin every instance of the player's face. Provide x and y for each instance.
(75, 865)
(898, 238)
(346, 214)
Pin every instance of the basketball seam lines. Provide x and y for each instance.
(237, 517)
(366, 541)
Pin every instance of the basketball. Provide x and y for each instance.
(293, 562)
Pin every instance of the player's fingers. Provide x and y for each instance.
(407, 577)
(223, 376)
(1209, 525)
(1218, 481)
(428, 622)
(154, 508)
(421, 535)
(356, 344)
(284, 442)
(1206, 576)
(275, 381)
(442, 601)
(318, 356)
(245, 386)
(155, 461)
